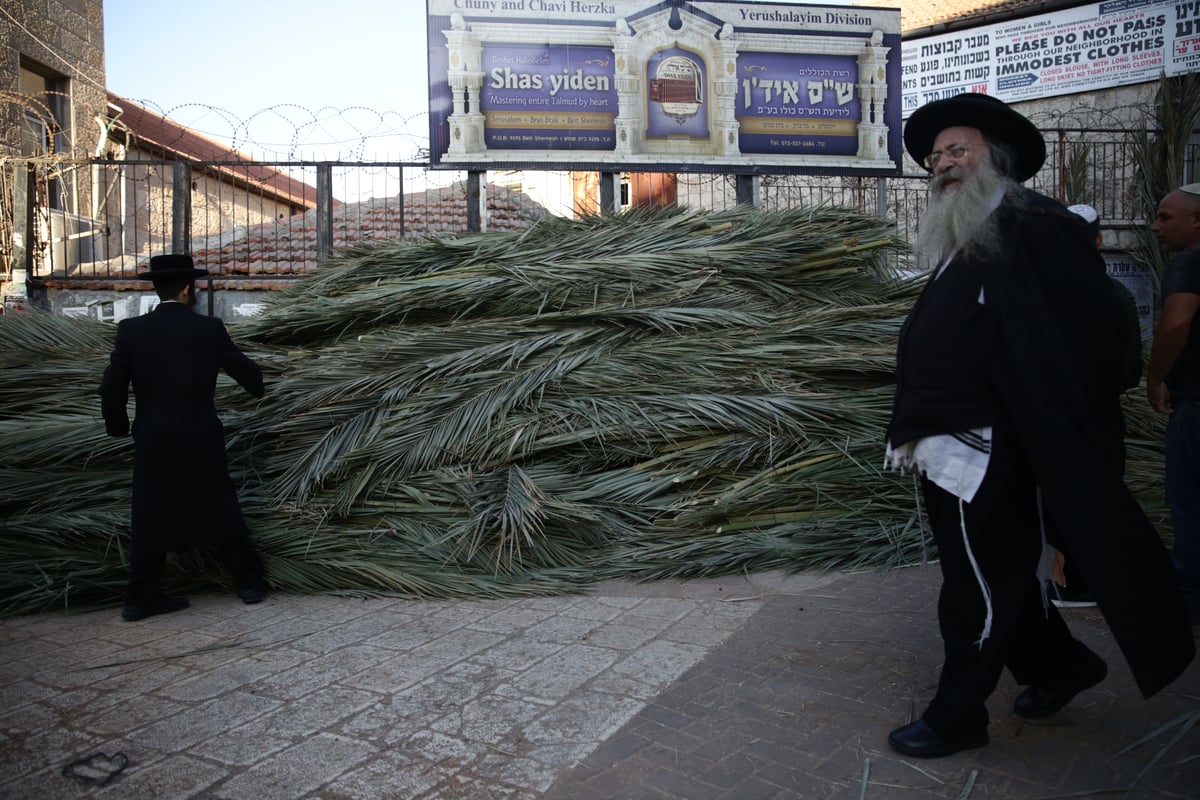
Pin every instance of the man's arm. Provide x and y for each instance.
(114, 388)
(1170, 337)
(240, 367)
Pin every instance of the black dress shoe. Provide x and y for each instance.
(921, 741)
(163, 605)
(1042, 701)
(253, 594)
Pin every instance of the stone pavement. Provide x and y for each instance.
(766, 686)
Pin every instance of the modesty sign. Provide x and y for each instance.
(666, 85)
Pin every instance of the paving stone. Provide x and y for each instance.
(310, 675)
(134, 715)
(561, 673)
(296, 770)
(193, 723)
(620, 635)
(26, 757)
(490, 720)
(517, 653)
(240, 747)
(316, 711)
(763, 686)
(391, 774)
(841, 687)
(177, 777)
(512, 620)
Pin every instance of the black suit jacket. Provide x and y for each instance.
(182, 493)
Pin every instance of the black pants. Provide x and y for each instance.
(146, 565)
(1032, 641)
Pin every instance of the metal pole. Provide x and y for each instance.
(401, 202)
(324, 211)
(748, 190)
(30, 215)
(181, 208)
(475, 201)
(610, 192)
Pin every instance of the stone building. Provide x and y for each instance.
(52, 110)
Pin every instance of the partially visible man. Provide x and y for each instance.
(183, 496)
(1173, 379)
(1005, 382)
(1068, 588)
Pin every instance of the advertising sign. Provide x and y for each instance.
(1081, 49)
(664, 85)
(1138, 278)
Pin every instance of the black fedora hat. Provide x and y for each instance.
(992, 117)
(171, 267)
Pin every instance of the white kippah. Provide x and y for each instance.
(1191, 188)
(1087, 212)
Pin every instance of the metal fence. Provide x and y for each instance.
(242, 228)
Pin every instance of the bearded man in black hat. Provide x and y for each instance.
(183, 496)
(1006, 372)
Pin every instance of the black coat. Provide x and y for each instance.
(1053, 368)
(182, 493)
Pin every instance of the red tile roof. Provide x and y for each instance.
(265, 256)
(289, 247)
(157, 134)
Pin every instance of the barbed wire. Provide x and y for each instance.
(280, 132)
(359, 133)
(290, 131)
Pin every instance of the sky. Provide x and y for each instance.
(309, 79)
(281, 80)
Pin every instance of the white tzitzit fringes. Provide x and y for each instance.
(922, 520)
(1045, 567)
(983, 587)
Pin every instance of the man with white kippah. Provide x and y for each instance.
(1173, 380)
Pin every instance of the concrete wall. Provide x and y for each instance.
(230, 305)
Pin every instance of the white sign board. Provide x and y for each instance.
(715, 85)
(1081, 49)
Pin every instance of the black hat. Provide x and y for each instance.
(992, 117)
(171, 267)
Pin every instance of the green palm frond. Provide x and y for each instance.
(667, 392)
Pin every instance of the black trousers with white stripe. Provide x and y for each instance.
(1003, 537)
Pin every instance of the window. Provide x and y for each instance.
(44, 123)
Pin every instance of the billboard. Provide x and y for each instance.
(1080, 49)
(664, 85)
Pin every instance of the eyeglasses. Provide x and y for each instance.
(955, 151)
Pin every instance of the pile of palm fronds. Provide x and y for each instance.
(661, 393)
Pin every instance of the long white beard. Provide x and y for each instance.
(960, 217)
